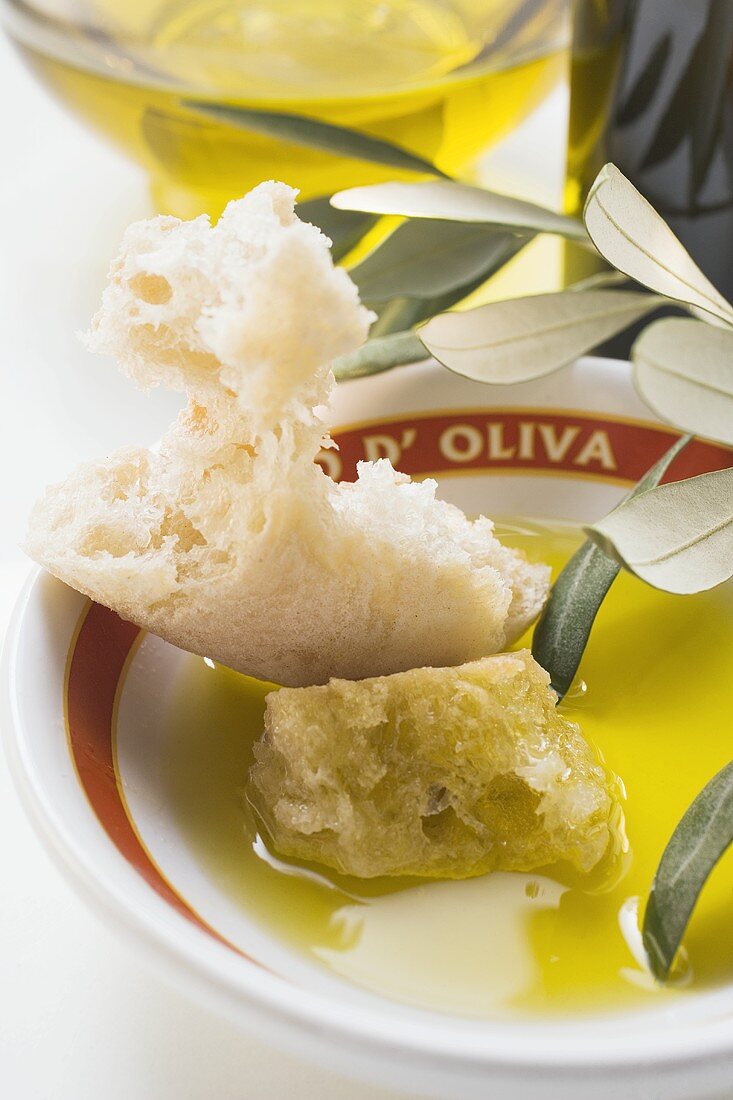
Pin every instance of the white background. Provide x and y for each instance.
(80, 1019)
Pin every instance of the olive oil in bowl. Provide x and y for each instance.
(652, 698)
(444, 78)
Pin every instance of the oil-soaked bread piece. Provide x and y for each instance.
(441, 772)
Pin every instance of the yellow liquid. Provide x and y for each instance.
(653, 695)
(593, 70)
(426, 74)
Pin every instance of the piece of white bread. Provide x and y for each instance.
(442, 772)
(231, 541)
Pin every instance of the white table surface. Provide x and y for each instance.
(80, 1018)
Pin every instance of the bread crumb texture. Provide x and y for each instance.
(441, 772)
(230, 541)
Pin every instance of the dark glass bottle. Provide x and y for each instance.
(652, 91)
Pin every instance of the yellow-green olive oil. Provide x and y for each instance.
(653, 696)
(446, 80)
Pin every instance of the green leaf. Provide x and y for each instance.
(345, 228)
(524, 338)
(628, 232)
(677, 537)
(405, 312)
(326, 136)
(683, 369)
(698, 842)
(380, 354)
(601, 279)
(397, 315)
(421, 260)
(400, 314)
(448, 201)
(562, 632)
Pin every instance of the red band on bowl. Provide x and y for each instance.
(490, 440)
(97, 662)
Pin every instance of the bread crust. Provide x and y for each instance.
(230, 541)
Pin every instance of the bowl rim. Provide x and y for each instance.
(426, 1042)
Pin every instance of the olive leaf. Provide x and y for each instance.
(683, 370)
(398, 315)
(314, 134)
(523, 338)
(563, 629)
(424, 261)
(628, 232)
(345, 228)
(677, 537)
(702, 836)
(406, 312)
(600, 279)
(458, 202)
(379, 354)
(391, 344)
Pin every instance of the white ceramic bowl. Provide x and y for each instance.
(87, 758)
